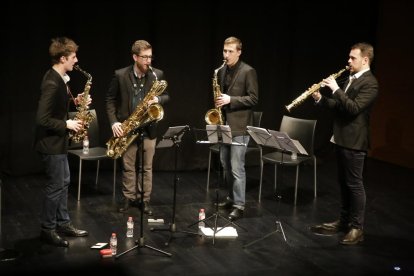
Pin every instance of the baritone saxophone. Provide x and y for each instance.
(142, 116)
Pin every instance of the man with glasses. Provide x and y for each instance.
(127, 89)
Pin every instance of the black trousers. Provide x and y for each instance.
(350, 177)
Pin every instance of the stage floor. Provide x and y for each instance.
(387, 248)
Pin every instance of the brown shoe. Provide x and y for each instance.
(354, 236)
(329, 228)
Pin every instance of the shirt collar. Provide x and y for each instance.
(66, 78)
(357, 75)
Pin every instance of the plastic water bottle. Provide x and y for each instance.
(130, 228)
(201, 216)
(113, 243)
(85, 145)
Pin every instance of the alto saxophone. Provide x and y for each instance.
(142, 115)
(311, 90)
(214, 116)
(83, 114)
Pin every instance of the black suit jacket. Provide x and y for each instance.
(120, 94)
(352, 112)
(244, 93)
(52, 113)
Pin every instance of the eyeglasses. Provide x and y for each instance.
(147, 57)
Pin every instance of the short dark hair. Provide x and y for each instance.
(61, 47)
(367, 50)
(139, 46)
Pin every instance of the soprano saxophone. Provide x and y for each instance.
(83, 114)
(311, 90)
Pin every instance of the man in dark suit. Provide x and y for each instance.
(52, 132)
(352, 106)
(238, 81)
(128, 88)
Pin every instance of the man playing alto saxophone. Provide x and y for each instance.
(127, 89)
(238, 81)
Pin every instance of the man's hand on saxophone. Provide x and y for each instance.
(331, 83)
(117, 129)
(79, 99)
(154, 100)
(74, 125)
(222, 100)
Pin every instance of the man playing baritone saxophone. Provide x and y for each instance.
(52, 130)
(352, 106)
(127, 89)
(238, 81)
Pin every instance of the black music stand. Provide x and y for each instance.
(283, 143)
(172, 138)
(141, 241)
(221, 135)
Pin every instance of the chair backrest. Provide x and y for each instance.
(93, 131)
(302, 130)
(257, 120)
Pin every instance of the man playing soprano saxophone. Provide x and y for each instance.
(352, 106)
(127, 89)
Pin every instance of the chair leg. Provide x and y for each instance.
(296, 184)
(314, 177)
(80, 177)
(113, 188)
(97, 175)
(275, 178)
(208, 170)
(261, 180)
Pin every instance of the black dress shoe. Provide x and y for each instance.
(51, 237)
(69, 230)
(329, 228)
(354, 236)
(227, 204)
(124, 208)
(235, 214)
(147, 208)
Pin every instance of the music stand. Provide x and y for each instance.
(172, 138)
(221, 135)
(141, 241)
(282, 142)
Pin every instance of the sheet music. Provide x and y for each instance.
(173, 135)
(287, 143)
(262, 137)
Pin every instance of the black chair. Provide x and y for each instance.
(96, 153)
(299, 129)
(252, 147)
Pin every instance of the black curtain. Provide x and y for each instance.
(292, 45)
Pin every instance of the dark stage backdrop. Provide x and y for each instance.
(292, 46)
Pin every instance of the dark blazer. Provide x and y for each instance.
(244, 92)
(120, 93)
(352, 112)
(52, 113)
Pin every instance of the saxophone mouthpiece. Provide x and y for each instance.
(155, 75)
